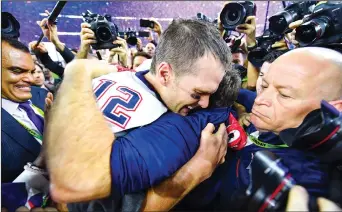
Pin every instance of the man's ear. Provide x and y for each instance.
(337, 104)
(164, 73)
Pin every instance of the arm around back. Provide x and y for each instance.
(78, 139)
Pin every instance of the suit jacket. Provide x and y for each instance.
(17, 145)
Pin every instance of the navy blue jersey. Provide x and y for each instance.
(148, 155)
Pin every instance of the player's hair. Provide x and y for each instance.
(185, 41)
(227, 91)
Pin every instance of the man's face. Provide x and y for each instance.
(290, 90)
(238, 58)
(16, 69)
(150, 49)
(263, 70)
(138, 60)
(38, 76)
(193, 90)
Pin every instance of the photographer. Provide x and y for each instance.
(87, 37)
(121, 52)
(157, 28)
(41, 52)
(50, 32)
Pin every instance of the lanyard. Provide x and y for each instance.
(36, 134)
(259, 143)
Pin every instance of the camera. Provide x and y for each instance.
(271, 183)
(9, 26)
(105, 31)
(323, 26)
(264, 46)
(131, 36)
(202, 17)
(146, 23)
(279, 22)
(320, 132)
(235, 13)
(241, 70)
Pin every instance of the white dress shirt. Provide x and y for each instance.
(19, 114)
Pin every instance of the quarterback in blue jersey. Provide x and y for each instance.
(138, 163)
(219, 190)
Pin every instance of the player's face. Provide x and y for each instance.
(193, 90)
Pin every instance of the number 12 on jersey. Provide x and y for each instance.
(117, 102)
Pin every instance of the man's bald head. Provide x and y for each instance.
(321, 66)
(295, 85)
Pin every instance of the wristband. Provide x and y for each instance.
(250, 48)
(35, 169)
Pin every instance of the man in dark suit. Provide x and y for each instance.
(22, 110)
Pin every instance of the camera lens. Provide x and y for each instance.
(9, 25)
(278, 23)
(132, 38)
(104, 34)
(232, 15)
(6, 23)
(311, 30)
(256, 56)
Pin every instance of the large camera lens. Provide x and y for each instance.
(104, 34)
(232, 15)
(256, 56)
(312, 30)
(280, 22)
(132, 38)
(9, 25)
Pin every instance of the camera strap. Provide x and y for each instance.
(262, 144)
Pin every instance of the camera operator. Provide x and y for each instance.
(121, 52)
(50, 32)
(87, 38)
(157, 28)
(42, 54)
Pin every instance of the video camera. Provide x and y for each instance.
(264, 46)
(103, 27)
(235, 13)
(106, 32)
(320, 132)
(322, 27)
(9, 26)
(279, 22)
(271, 181)
(270, 184)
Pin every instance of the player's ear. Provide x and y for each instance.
(164, 73)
